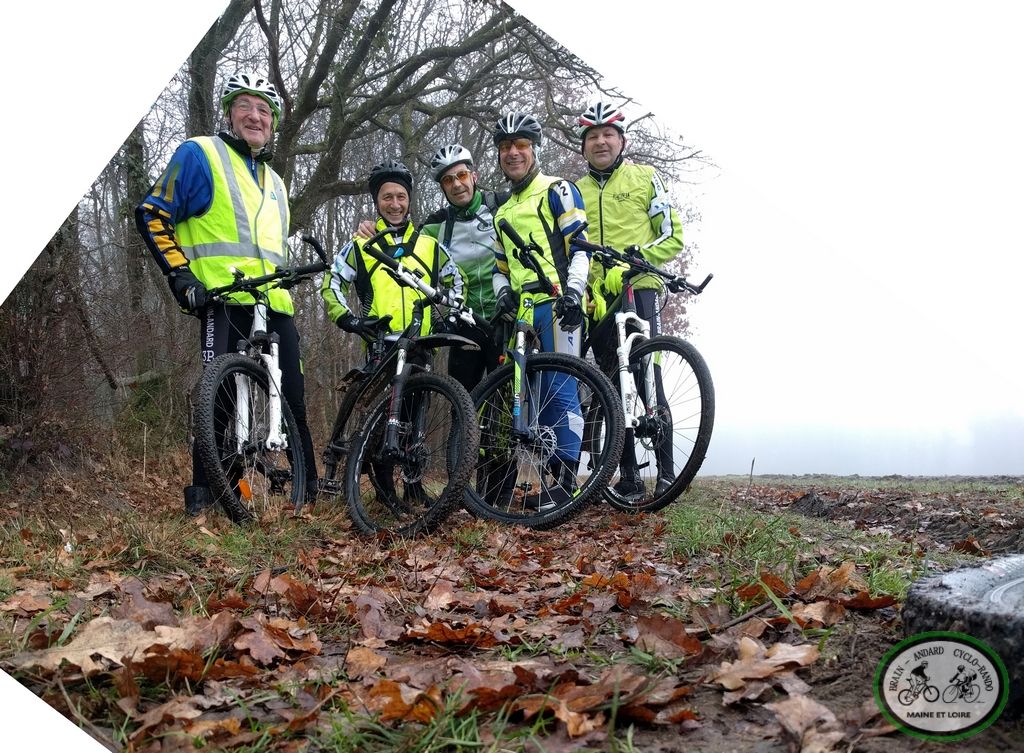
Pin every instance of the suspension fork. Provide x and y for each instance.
(629, 384)
(523, 421)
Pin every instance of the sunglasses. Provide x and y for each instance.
(521, 144)
(449, 180)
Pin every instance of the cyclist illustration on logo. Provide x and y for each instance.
(918, 685)
(962, 687)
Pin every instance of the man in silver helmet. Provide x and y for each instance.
(465, 228)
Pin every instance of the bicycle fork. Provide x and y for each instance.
(276, 440)
(629, 384)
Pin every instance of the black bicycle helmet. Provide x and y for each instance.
(391, 171)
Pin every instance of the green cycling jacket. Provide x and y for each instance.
(631, 206)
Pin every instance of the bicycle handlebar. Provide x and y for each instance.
(525, 256)
(286, 277)
(635, 261)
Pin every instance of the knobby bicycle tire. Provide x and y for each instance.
(351, 414)
(255, 480)
(438, 441)
(682, 422)
(510, 481)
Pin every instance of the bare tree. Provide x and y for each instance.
(362, 82)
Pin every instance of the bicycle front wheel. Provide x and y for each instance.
(253, 461)
(409, 485)
(545, 475)
(673, 398)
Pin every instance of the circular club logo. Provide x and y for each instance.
(941, 685)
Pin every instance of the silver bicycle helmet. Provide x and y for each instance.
(446, 156)
(514, 124)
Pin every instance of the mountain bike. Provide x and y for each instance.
(404, 440)
(245, 435)
(908, 695)
(665, 387)
(533, 413)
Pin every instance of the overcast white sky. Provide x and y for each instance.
(863, 230)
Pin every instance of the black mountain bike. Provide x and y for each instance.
(526, 409)
(245, 435)
(405, 440)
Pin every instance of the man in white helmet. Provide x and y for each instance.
(218, 205)
(465, 228)
(627, 206)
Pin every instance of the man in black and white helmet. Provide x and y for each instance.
(466, 229)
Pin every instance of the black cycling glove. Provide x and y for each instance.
(569, 308)
(188, 291)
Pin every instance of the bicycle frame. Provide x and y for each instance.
(264, 347)
(629, 389)
(410, 338)
(524, 424)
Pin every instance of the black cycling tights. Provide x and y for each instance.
(221, 327)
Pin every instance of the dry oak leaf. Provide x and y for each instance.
(863, 600)
(754, 662)
(397, 701)
(177, 708)
(137, 607)
(665, 636)
(362, 662)
(26, 603)
(103, 638)
(259, 642)
(811, 727)
(440, 596)
(576, 723)
(826, 582)
(474, 634)
(819, 614)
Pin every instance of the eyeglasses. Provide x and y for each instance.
(521, 144)
(244, 105)
(449, 180)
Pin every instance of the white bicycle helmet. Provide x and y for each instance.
(600, 114)
(446, 156)
(247, 82)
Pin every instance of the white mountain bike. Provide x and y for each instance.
(245, 435)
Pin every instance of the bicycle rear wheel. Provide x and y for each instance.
(412, 489)
(231, 424)
(672, 434)
(516, 479)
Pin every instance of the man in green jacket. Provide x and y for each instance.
(465, 228)
(627, 206)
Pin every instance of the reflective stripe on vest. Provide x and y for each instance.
(241, 229)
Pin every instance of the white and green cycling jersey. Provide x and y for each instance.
(468, 235)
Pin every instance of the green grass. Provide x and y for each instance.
(732, 545)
